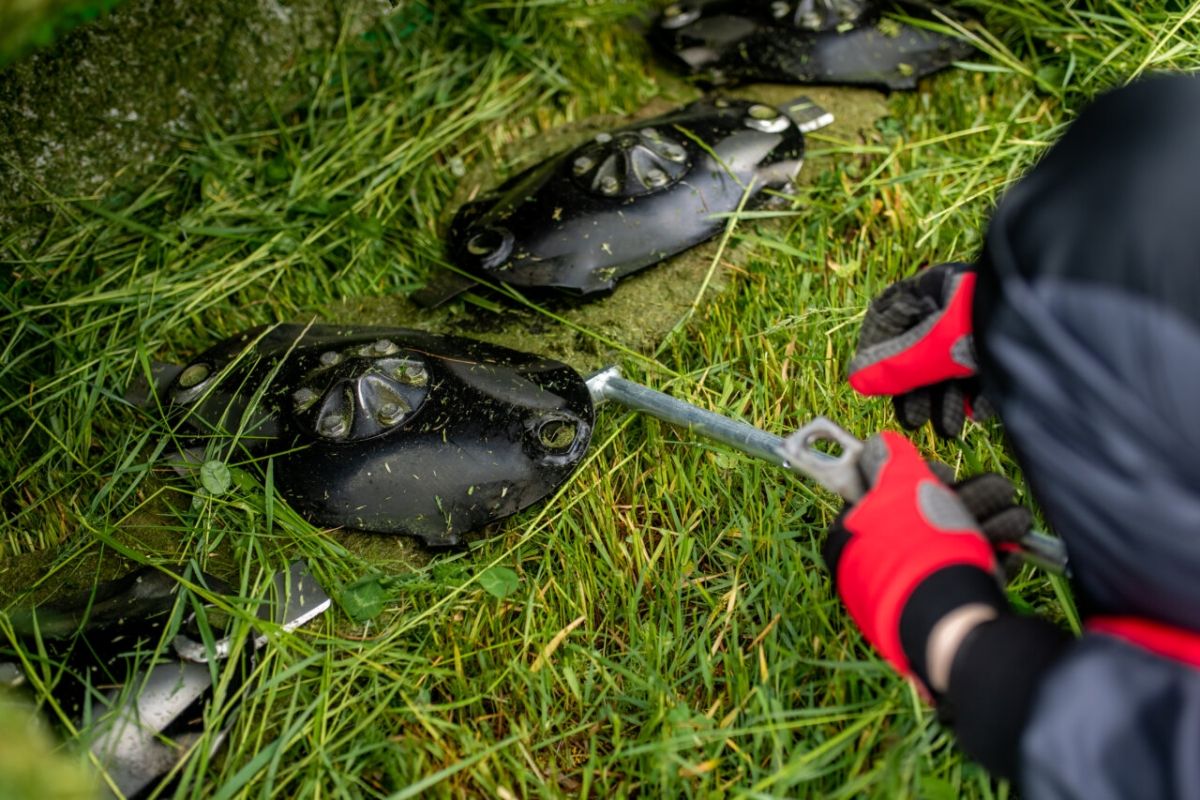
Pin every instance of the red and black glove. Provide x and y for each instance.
(916, 345)
(913, 549)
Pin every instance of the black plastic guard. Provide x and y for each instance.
(390, 430)
(130, 664)
(628, 198)
(812, 41)
(100, 653)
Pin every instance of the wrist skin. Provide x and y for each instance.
(947, 636)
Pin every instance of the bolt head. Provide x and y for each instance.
(333, 426)
(415, 375)
(765, 118)
(390, 414)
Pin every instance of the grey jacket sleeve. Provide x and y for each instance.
(1088, 719)
(1109, 721)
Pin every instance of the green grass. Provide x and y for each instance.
(673, 632)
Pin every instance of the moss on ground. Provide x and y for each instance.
(113, 96)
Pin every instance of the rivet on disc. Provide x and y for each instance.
(384, 347)
(656, 178)
(390, 414)
(676, 16)
(603, 138)
(304, 397)
(609, 185)
(675, 153)
(411, 374)
(766, 119)
(416, 375)
(582, 165)
(329, 358)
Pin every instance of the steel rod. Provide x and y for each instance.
(608, 385)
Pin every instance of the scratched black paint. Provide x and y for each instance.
(390, 430)
(810, 41)
(628, 198)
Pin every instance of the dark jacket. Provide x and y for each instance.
(1087, 321)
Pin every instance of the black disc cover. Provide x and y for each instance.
(96, 640)
(631, 197)
(807, 41)
(386, 429)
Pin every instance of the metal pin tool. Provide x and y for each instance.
(838, 472)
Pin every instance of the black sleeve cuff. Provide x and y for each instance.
(934, 598)
(995, 674)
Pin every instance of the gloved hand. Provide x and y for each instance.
(916, 345)
(913, 549)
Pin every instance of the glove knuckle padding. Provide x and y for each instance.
(942, 472)
(935, 346)
(951, 404)
(889, 315)
(992, 500)
(1008, 525)
(913, 408)
(908, 526)
(986, 494)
